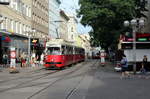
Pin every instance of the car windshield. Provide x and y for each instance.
(53, 51)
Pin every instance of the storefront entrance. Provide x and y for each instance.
(4, 47)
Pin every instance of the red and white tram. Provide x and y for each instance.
(60, 54)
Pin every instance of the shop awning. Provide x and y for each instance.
(5, 38)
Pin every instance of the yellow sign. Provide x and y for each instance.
(34, 41)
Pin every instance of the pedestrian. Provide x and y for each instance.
(23, 60)
(37, 60)
(144, 65)
(42, 59)
(5, 59)
(124, 67)
(33, 62)
(19, 60)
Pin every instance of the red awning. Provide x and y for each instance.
(5, 38)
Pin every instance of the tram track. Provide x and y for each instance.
(71, 93)
(26, 75)
(37, 77)
(33, 78)
(62, 78)
(23, 77)
(47, 82)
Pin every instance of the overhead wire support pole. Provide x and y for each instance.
(134, 49)
(29, 48)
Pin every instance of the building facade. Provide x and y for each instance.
(72, 29)
(15, 26)
(63, 29)
(85, 43)
(40, 18)
(54, 18)
(40, 23)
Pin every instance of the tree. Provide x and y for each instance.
(140, 8)
(106, 18)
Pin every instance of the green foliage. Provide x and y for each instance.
(106, 18)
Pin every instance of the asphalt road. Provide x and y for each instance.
(86, 80)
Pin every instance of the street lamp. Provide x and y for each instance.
(134, 24)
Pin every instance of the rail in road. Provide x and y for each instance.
(27, 81)
(33, 78)
(26, 75)
(63, 77)
(71, 93)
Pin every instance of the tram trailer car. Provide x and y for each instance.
(61, 55)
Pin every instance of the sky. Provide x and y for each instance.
(70, 6)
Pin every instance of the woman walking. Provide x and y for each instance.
(124, 67)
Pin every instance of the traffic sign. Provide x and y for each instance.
(13, 54)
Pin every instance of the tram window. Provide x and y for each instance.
(67, 50)
(138, 46)
(75, 50)
(70, 50)
(53, 51)
(63, 50)
(143, 46)
(80, 51)
(127, 46)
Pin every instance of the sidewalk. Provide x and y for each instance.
(111, 66)
(21, 69)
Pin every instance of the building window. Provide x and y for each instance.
(17, 27)
(14, 4)
(29, 12)
(23, 28)
(11, 3)
(20, 28)
(19, 5)
(8, 24)
(24, 9)
(14, 28)
(4, 23)
(71, 29)
(12, 25)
